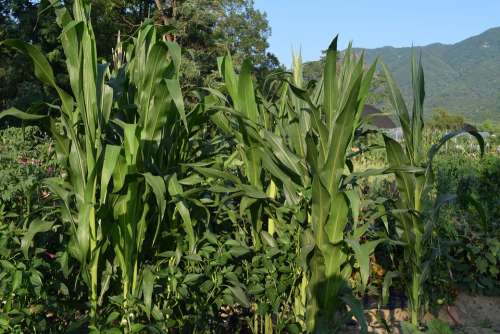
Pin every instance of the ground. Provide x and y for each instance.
(469, 315)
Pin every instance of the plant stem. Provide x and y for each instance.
(94, 263)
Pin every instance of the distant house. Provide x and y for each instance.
(374, 116)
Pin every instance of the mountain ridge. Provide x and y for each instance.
(495, 30)
(463, 77)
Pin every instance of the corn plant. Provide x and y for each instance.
(241, 91)
(413, 211)
(335, 115)
(79, 141)
(120, 137)
(301, 138)
(313, 145)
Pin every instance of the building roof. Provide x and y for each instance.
(375, 117)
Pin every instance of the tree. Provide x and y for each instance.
(443, 120)
(206, 30)
(19, 19)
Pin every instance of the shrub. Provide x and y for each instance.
(467, 246)
(25, 160)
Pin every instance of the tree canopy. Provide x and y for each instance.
(205, 29)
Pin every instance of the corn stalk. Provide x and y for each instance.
(120, 137)
(79, 141)
(413, 185)
(302, 139)
(334, 119)
(245, 112)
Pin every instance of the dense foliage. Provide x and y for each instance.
(26, 159)
(238, 207)
(470, 250)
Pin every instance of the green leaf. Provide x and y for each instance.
(157, 314)
(191, 279)
(467, 129)
(21, 115)
(437, 326)
(157, 184)
(398, 103)
(216, 173)
(62, 258)
(240, 295)
(148, 280)
(355, 203)
(388, 278)
(363, 253)
(188, 224)
(397, 158)
(43, 70)
(330, 82)
(417, 121)
(320, 210)
(268, 239)
(230, 79)
(252, 191)
(174, 52)
(409, 328)
(174, 89)
(286, 157)
(137, 328)
(342, 131)
(337, 219)
(17, 280)
(112, 317)
(35, 227)
(111, 154)
(245, 203)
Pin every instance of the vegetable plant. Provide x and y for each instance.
(414, 212)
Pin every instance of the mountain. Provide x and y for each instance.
(463, 78)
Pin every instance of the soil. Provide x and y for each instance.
(473, 314)
(468, 315)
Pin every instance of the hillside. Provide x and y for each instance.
(463, 77)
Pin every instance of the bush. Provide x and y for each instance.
(34, 283)
(466, 245)
(25, 159)
(481, 178)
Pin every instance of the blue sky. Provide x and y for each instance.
(310, 25)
